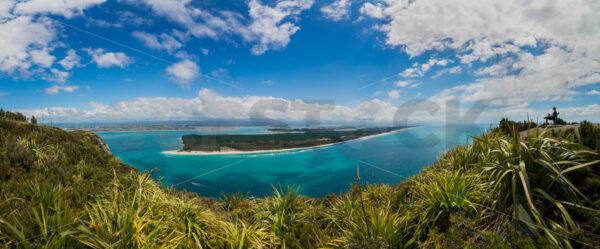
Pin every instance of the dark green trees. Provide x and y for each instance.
(15, 116)
(33, 120)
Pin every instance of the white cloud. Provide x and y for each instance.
(67, 8)
(589, 112)
(416, 84)
(338, 10)
(503, 36)
(372, 10)
(550, 76)
(56, 89)
(71, 60)
(42, 57)
(204, 51)
(57, 76)
(420, 70)
(210, 105)
(593, 92)
(125, 18)
(109, 59)
(27, 45)
(411, 73)
(403, 83)
(220, 73)
(394, 94)
(5, 8)
(452, 70)
(184, 72)
(265, 27)
(181, 12)
(161, 42)
(30, 37)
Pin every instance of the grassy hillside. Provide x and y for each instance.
(64, 190)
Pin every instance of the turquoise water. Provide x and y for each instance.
(317, 172)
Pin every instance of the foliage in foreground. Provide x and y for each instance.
(62, 190)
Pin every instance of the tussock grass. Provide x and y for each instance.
(502, 191)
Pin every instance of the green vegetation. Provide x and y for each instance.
(15, 116)
(509, 127)
(560, 121)
(65, 190)
(302, 138)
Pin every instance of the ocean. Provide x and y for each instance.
(316, 172)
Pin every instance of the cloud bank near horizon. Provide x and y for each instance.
(209, 105)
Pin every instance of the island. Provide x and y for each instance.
(279, 139)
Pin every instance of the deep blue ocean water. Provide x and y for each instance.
(317, 172)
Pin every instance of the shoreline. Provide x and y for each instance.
(239, 152)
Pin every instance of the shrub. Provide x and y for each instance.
(589, 135)
(531, 177)
(509, 127)
(559, 121)
(18, 155)
(444, 193)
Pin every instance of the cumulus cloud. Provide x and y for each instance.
(264, 27)
(27, 45)
(593, 92)
(402, 83)
(125, 18)
(109, 59)
(71, 60)
(393, 94)
(452, 70)
(56, 76)
(267, 27)
(160, 42)
(550, 76)
(184, 72)
(65, 8)
(210, 105)
(519, 65)
(372, 10)
(30, 37)
(56, 89)
(338, 10)
(419, 70)
(581, 113)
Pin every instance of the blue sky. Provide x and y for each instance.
(104, 60)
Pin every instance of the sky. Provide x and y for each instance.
(427, 61)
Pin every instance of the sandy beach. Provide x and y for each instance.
(238, 152)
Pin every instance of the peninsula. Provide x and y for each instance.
(281, 139)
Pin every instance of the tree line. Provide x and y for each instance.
(16, 116)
